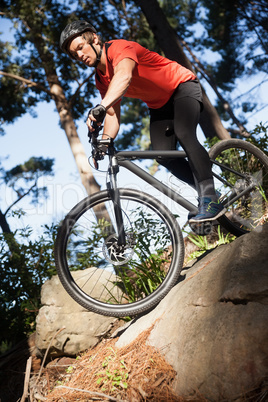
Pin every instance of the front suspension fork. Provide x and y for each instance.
(115, 197)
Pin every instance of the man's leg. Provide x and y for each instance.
(163, 138)
(186, 117)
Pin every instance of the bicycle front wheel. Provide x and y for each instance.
(112, 279)
(241, 177)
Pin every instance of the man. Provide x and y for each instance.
(172, 93)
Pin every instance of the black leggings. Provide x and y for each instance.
(177, 121)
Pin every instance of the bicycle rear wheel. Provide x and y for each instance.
(243, 168)
(118, 280)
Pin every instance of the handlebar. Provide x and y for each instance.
(93, 135)
(99, 146)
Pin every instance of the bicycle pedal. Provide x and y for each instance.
(202, 228)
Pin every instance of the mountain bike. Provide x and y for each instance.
(118, 252)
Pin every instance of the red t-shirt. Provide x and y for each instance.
(154, 78)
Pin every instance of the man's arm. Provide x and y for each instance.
(112, 121)
(119, 83)
(117, 88)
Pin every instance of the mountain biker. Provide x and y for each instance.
(172, 93)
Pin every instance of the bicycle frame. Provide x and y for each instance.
(124, 159)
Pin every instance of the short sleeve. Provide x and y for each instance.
(119, 50)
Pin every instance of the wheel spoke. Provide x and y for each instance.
(241, 177)
(111, 278)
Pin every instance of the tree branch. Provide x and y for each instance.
(251, 89)
(20, 197)
(74, 96)
(29, 83)
(123, 15)
(249, 21)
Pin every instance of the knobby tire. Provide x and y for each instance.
(247, 212)
(114, 281)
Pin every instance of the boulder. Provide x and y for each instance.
(212, 326)
(82, 329)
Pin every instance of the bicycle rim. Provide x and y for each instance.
(243, 166)
(118, 280)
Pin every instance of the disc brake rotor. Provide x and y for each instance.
(115, 254)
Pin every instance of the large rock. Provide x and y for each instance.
(82, 329)
(212, 327)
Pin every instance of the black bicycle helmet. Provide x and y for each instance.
(73, 29)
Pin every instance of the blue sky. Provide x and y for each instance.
(42, 136)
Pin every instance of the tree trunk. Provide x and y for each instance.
(4, 224)
(167, 39)
(77, 148)
(9, 236)
(66, 118)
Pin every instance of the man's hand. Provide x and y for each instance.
(96, 114)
